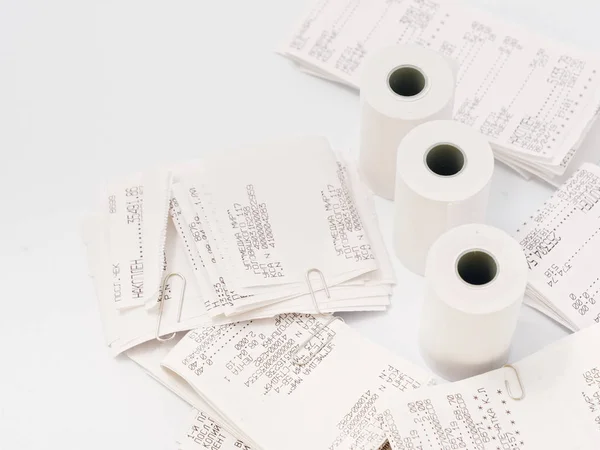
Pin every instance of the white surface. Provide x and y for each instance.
(90, 90)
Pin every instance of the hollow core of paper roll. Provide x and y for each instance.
(407, 81)
(443, 178)
(475, 282)
(401, 87)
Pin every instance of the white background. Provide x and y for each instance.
(91, 90)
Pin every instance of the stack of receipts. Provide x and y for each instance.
(561, 241)
(283, 227)
(294, 382)
(549, 400)
(203, 429)
(534, 99)
(130, 246)
(266, 225)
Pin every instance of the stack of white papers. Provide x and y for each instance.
(283, 227)
(121, 280)
(534, 99)
(294, 382)
(561, 241)
(249, 378)
(265, 225)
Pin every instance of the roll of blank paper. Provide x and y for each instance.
(475, 281)
(401, 87)
(443, 177)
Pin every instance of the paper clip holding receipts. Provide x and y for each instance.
(129, 327)
(366, 294)
(549, 400)
(224, 237)
(561, 241)
(248, 372)
(369, 292)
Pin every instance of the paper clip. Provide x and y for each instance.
(522, 396)
(312, 291)
(161, 306)
(296, 361)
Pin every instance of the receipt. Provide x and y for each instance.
(532, 98)
(204, 428)
(149, 356)
(201, 257)
(137, 221)
(246, 235)
(333, 207)
(203, 249)
(275, 222)
(202, 432)
(129, 327)
(561, 241)
(369, 294)
(258, 375)
(550, 400)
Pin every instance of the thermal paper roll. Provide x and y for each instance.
(475, 281)
(401, 87)
(443, 178)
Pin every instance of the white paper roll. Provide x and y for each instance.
(443, 179)
(401, 87)
(475, 281)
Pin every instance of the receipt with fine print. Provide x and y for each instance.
(202, 432)
(561, 241)
(268, 376)
(273, 223)
(549, 400)
(138, 209)
(531, 97)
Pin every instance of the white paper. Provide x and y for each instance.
(559, 408)
(279, 229)
(137, 218)
(129, 327)
(530, 96)
(367, 294)
(246, 371)
(202, 432)
(200, 253)
(149, 356)
(561, 241)
(317, 221)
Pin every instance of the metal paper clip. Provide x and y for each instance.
(522, 396)
(161, 305)
(296, 361)
(312, 291)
